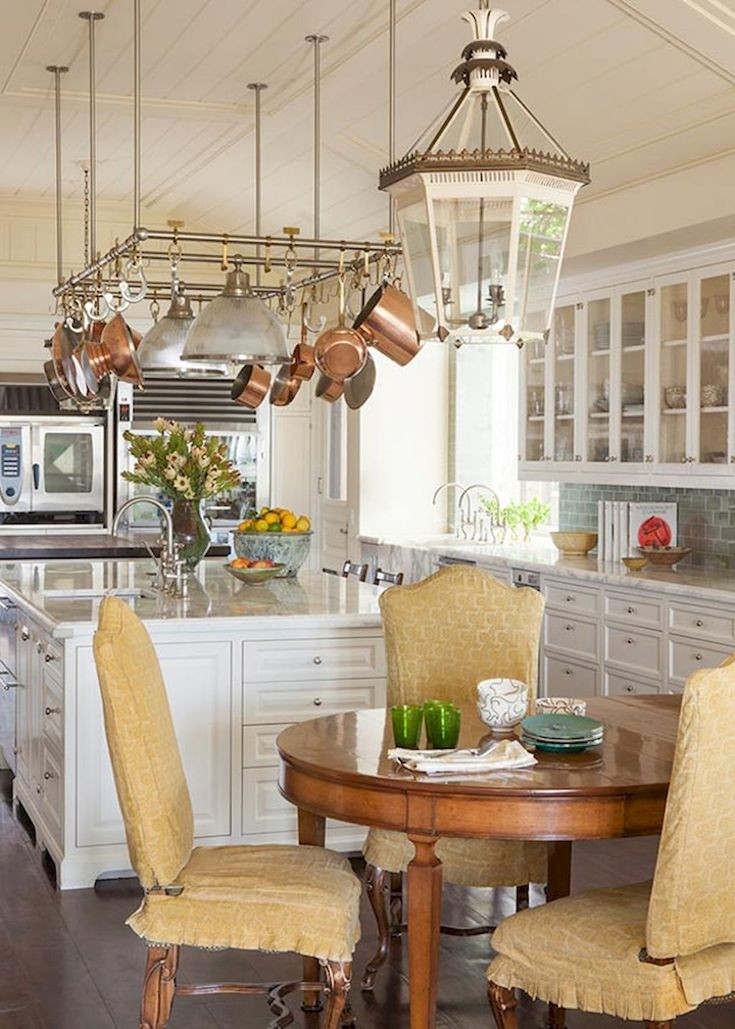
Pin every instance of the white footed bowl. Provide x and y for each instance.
(502, 703)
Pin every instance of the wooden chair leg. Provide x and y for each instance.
(661, 1025)
(337, 988)
(159, 987)
(503, 1005)
(557, 1017)
(396, 898)
(522, 897)
(375, 884)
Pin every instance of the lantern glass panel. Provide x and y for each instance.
(542, 228)
(416, 240)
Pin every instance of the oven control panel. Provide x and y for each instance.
(11, 464)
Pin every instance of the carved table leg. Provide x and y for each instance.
(159, 987)
(560, 870)
(503, 1004)
(339, 978)
(424, 918)
(312, 829)
(375, 884)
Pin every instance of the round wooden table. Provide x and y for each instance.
(337, 767)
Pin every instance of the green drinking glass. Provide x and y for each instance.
(407, 719)
(442, 725)
(427, 705)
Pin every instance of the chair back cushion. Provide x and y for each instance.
(446, 633)
(151, 787)
(692, 900)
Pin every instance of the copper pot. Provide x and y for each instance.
(58, 392)
(98, 358)
(329, 390)
(388, 320)
(62, 348)
(302, 360)
(340, 352)
(284, 388)
(122, 342)
(251, 385)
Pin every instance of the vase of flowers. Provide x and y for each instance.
(186, 466)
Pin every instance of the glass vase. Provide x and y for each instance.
(191, 531)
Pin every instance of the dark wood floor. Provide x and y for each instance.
(67, 961)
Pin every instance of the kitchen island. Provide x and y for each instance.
(240, 663)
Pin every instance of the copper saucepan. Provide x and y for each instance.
(329, 390)
(284, 388)
(302, 361)
(251, 385)
(122, 342)
(340, 352)
(388, 320)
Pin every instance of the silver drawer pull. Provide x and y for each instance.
(317, 660)
(569, 628)
(631, 610)
(630, 641)
(699, 623)
(40, 647)
(698, 657)
(25, 634)
(568, 671)
(47, 776)
(569, 598)
(630, 689)
(52, 710)
(317, 701)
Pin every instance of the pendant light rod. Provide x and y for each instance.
(57, 70)
(316, 41)
(391, 103)
(258, 88)
(91, 17)
(136, 114)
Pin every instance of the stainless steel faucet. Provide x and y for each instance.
(170, 578)
(475, 520)
(450, 485)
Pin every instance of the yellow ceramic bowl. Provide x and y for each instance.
(635, 564)
(574, 544)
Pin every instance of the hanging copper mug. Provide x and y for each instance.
(389, 322)
(340, 352)
(251, 385)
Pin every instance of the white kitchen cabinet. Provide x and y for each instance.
(198, 679)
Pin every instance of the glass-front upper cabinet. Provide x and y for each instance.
(533, 433)
(675, 329)
(599, 382)
(631, 396)
(712, 429)
(563, 342)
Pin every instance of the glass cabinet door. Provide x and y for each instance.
(563, 342)
(672, 362)
(714, 369)
(598, 379)
(632, 376)
(535, 418)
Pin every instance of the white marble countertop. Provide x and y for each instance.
(64, 596)
(707, 584)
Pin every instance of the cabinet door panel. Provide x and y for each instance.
(198, 679)
(568, 679)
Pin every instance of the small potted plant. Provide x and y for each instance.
(187, 466)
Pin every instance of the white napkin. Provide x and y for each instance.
(499, 756)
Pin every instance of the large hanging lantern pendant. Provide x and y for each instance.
(483, 204)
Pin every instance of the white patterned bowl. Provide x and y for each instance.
(502, 703)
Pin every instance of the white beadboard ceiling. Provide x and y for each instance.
(639, 88)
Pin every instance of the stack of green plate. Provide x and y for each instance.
(561, 734)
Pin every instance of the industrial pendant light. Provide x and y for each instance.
(161, 347)
(236, 327)
(483, 205)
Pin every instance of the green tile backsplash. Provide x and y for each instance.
(706, 516)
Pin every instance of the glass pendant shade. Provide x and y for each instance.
(161, 348)
(483, 205)
(237, 327)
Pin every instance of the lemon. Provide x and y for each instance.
(261, 525)
(303, 524)
(288, 520)
(247, 524)
(271, 518)
(264, 511)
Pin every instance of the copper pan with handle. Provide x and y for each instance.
(329, 390)
(250, 387)
(302, 361)
(340, 352)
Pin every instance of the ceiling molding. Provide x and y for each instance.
(727, 26)
(626, 7)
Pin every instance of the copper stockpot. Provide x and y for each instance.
(122, 342)
(329, 390)
(284, 388)
(251, 385)
(388, 321)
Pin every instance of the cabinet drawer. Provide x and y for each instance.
(617, 685)
(571, 598)
(52, 711)
(686, 657)
(50, 788)
(633, 648)
(633, 610)
(284, 660)
(269, 703)
(568, 679)
(264, 810)
(571, 634)
(702, 623)
(259, 745)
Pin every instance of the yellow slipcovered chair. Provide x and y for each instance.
(443, 635)
(650, 951)
(271, 898)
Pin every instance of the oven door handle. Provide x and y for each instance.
(36, 475)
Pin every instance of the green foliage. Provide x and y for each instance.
(516, 515)
(181, 462)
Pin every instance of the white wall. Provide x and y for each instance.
(403, 445)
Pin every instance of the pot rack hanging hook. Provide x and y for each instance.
(307, 306)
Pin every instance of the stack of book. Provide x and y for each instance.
(623, 526)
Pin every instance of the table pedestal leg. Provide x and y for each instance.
(559, 885)
(424, 918)
(311, 833)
